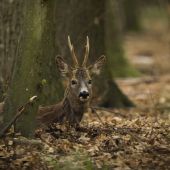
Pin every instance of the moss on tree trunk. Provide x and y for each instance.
(35, 70)
(118, 64)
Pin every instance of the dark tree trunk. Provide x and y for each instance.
(131, 13)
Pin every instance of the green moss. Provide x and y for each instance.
(119, 66)
(116, 61)
(35, 62)
(74, 161)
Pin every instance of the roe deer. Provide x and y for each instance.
(78, 92)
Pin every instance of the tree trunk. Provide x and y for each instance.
(131, 15)
(119, 66)
(10, 29)
(35, 70)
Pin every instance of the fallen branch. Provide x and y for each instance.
(25, 141)
(18, 114)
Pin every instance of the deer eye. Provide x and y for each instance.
(90, 81)
(73, 82)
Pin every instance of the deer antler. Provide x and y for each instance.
(86, 53)
(72, 52)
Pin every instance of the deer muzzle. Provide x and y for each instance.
(84, 95)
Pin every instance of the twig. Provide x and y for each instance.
(94, 111)
(15, 118)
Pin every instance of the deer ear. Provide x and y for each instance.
(96, 67)
(62, 66)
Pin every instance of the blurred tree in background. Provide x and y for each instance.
(131, 12)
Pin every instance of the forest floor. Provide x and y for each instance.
(136, 138)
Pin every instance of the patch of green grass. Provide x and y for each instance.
(73, 161)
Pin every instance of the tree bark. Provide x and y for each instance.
(10, 29)
(35, 70)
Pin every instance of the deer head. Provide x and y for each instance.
(80, 75)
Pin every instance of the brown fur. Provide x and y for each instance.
(70, 110)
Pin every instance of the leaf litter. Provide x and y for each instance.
(137, 138)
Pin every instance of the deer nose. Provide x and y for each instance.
(84, 94)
